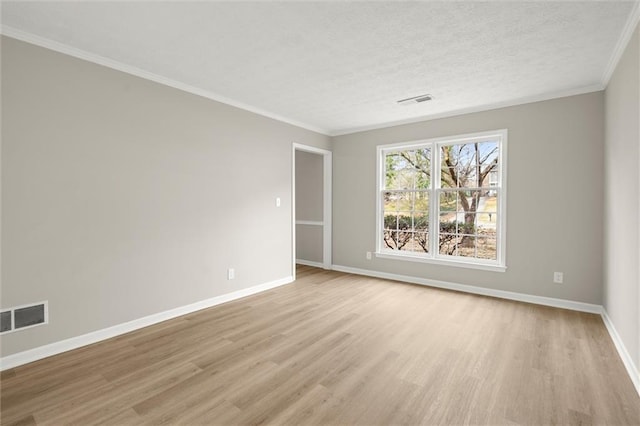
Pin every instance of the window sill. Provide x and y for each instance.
(444, 262)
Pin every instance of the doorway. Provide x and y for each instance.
(311, 207)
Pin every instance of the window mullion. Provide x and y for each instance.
(435, 200)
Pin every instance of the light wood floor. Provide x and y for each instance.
(334, 348)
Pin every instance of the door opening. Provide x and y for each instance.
(311, 207)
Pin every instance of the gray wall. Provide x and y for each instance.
(622, 214)
(554, 202)
(309, 206)
(122, 197)
(309, 240)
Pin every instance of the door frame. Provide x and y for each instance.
(326, 203)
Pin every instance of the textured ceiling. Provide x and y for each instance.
(341, 66)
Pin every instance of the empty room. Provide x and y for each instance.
(320, 213)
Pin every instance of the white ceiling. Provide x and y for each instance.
(337, 67)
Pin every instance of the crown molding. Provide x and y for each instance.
(119, 66)
(481, 108)
(623, 41)
(630, 25)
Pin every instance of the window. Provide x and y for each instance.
(443, 200)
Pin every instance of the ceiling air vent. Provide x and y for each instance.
(415, 100)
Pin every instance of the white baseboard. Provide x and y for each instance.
(45, 351)
(627, 360)
(539, 300)
(41, 352)
(310, 263)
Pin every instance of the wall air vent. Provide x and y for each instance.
(26, 316)
(415, 100)
(6, 321)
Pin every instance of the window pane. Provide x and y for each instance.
(404, 200)
(396, 240)
(389, 201)
(468, 225)
(404, 179)
(410, 169)
(467, 246)
(488, 162)
(394, 166)
(398, 201)
(421, 222)
(389, 239)
(448, 223)
(404, 221)
(488, 214)
(487, 248)
(416, 242)
(468, 201)
(448, 201)
(487, 232)
(447, 244)
(486, 223)
(422, 242)
(402, 239)
(421, 202)
(390, 221)
(471, 165)
(488, 202)
(420, 161)
(413, 244)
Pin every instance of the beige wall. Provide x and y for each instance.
(309, 240)
(554, 204)
(309, 206)
(122, 198)
(309, 190)
(622, 214)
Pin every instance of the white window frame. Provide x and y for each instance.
(498, 265)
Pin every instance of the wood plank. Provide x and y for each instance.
(335, 348)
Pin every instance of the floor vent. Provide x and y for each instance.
(26, 316)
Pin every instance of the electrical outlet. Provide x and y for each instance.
(278, 202)
(231, 273)
(558, 277)
(368, 255)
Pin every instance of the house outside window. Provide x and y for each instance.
(444, 200)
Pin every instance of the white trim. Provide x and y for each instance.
(501, 294)
(55, 348)
(293, 210)
(310, 222)
(451, 261)
(309, 263)
(311, 149)
(456, 112)
(327, 196)
(623, 41)
(327, 214)
(627, 360)
(110, 63)
(129, 69)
